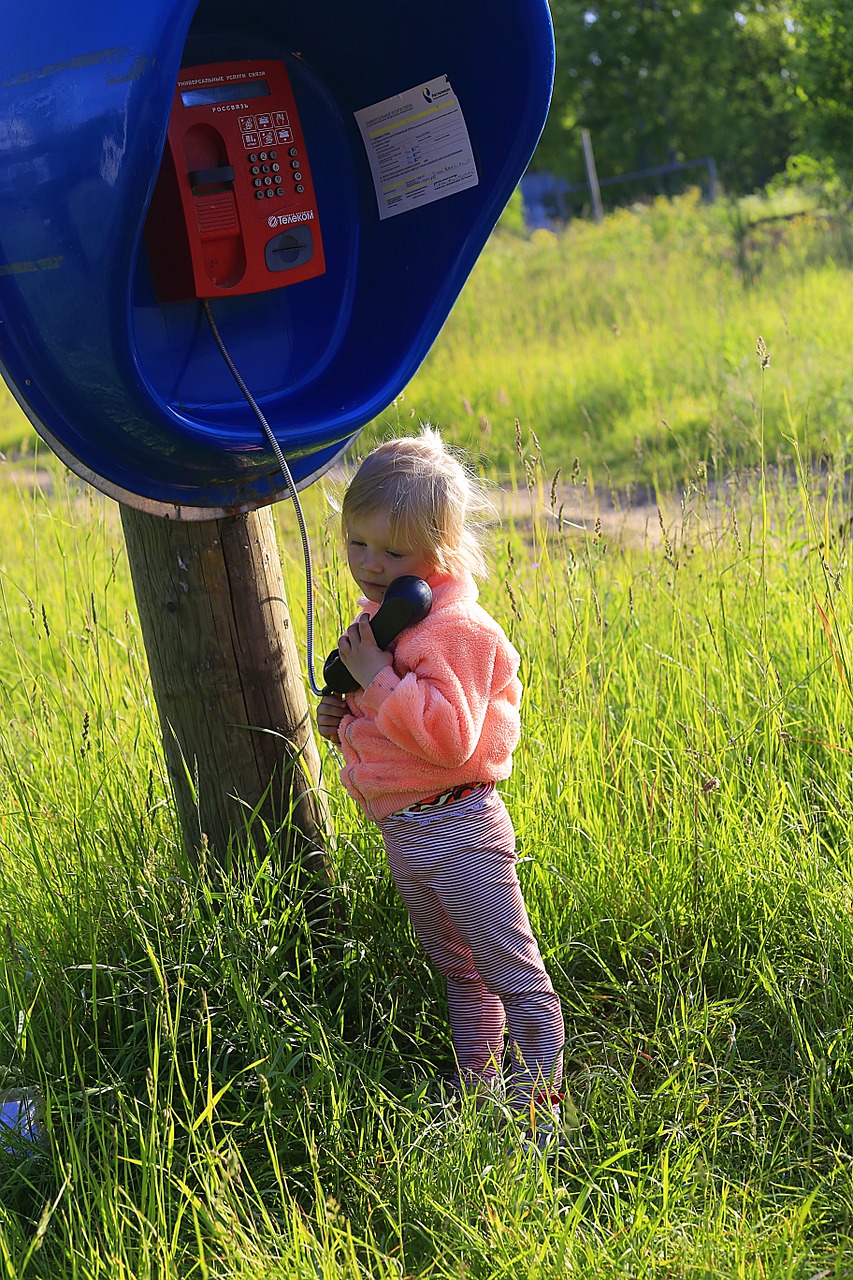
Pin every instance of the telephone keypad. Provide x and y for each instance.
(264, 163)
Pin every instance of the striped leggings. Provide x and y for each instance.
(455, 870)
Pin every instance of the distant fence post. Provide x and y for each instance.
(545, 197)
(592, 176)
(712, 180)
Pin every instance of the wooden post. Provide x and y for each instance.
(592, 176)
(225, 671)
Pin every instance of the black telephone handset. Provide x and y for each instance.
(407, 600)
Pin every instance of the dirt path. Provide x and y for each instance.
(584, 514)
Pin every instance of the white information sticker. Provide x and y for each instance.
(418, 147)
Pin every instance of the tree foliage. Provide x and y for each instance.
(824, 44)
(657, 82)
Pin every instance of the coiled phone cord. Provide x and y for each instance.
(291, 484)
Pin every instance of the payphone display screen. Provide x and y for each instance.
(225, 93)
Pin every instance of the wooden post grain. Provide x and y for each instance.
(226, 676)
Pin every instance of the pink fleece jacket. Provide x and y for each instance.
(446, 712)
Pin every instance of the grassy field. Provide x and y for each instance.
(630, 345)
(227, 1093)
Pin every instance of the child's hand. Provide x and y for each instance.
(360, 653)
(331, 710)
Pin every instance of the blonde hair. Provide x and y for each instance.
(434, 503)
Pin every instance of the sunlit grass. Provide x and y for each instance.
(630, 343)
(228, 1093)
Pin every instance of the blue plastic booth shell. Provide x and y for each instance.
(133, 394)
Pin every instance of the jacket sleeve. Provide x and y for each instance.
(438, 709)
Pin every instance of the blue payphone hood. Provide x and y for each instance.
(131, 392)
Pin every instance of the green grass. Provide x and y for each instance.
(631, 344)
(228, 1092)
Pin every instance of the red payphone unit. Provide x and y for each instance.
(234, 210)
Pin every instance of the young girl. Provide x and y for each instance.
(424, 740)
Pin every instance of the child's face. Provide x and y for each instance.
(375, 561)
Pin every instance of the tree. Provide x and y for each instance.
(658, 82)
(823, 36)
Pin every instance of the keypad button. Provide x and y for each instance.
(277, 178)
(294, 151)
(255, 169)
(276, 168)
(262, 155)
(279, 191)
(259, 195)
(296, 164)
(269, 192)
(267, 182)
(297, 177)
(273, 155)
(265, 168)
(257, 182)
(300, 188)
(253, 159)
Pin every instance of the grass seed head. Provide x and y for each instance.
(762, 353)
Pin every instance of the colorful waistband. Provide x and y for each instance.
(462, 792)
